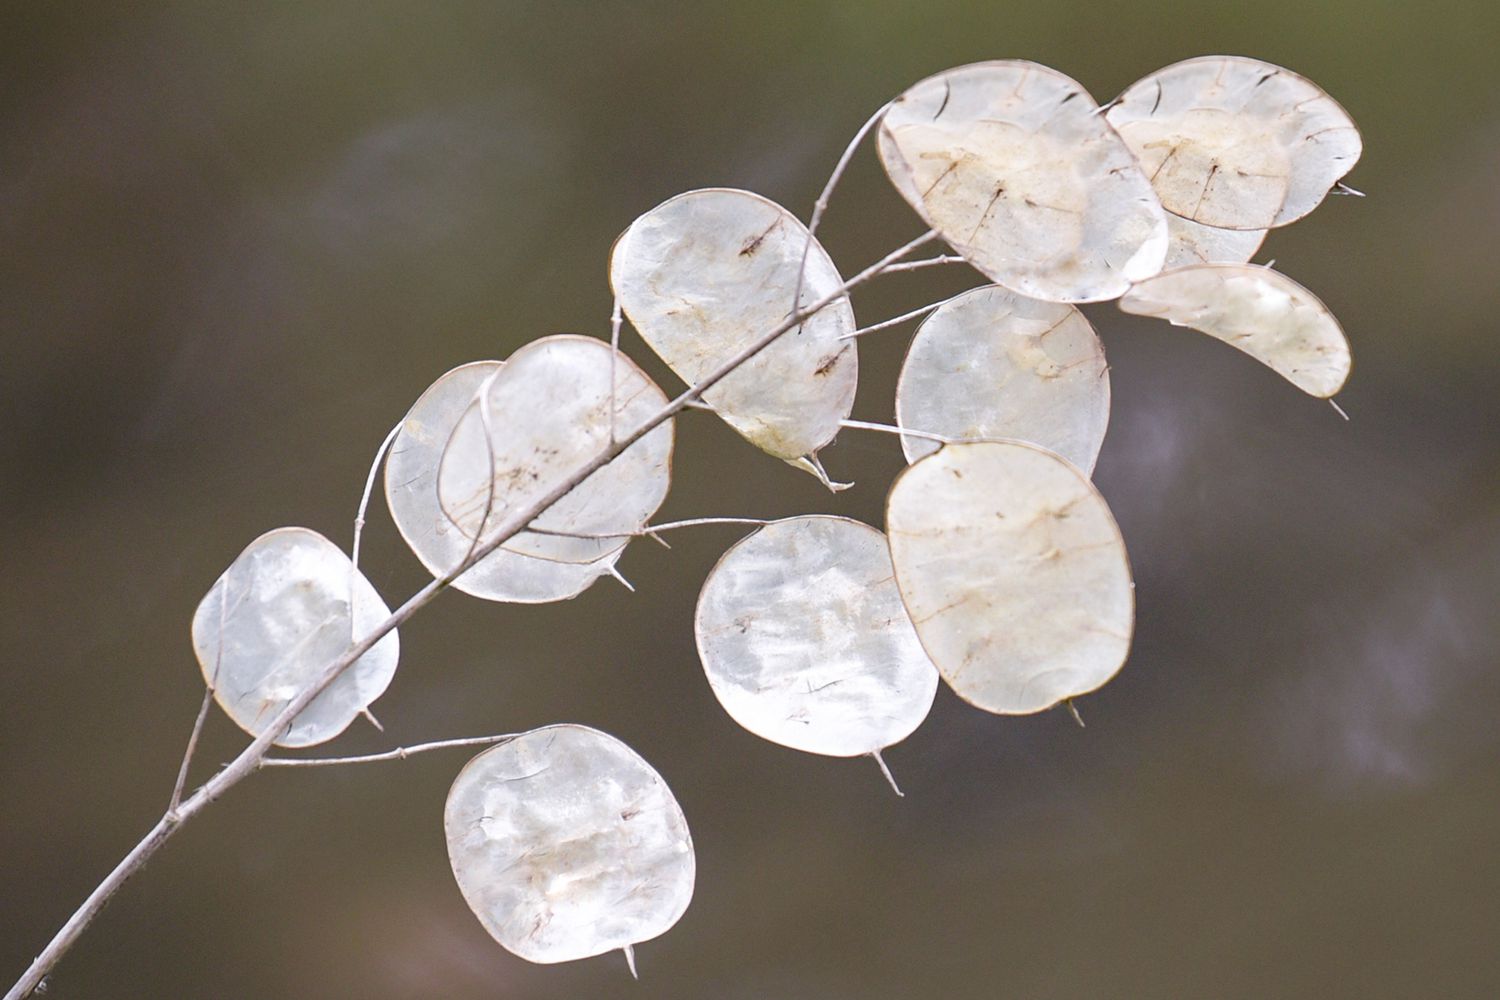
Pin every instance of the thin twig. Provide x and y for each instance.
(486, 422)
(651, 530)
(914, 265)
(865, 425)
(400, 753)
(821, 205)
(192, 747)
(893, 321)
(359, 530)
(248, 760)
(208, 697)
(364, 500)
(616, 315)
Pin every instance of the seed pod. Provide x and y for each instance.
(1015, 168)
(286, 608)
(566, 844)
(1014, 573)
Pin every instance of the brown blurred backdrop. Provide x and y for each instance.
(238, 240)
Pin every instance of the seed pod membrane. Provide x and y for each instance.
(708, 273)
(993, 364)
(1014, 574)
(1015, 168)
(411, 471)
(548, 414)
(1236, 143)
(286, 608)
(566, 844)
(1260, 311)
(805, 641)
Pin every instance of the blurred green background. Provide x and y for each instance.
(238, 240)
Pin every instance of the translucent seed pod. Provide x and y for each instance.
(1014, 573)
(806, 643)
(706, 274)
(411, 492)
(1236, 143)
(566, 844)
(543, 416)
(1015, 168)
(1260, 311)
(1194, 243)
(285, 609)
(993, 364)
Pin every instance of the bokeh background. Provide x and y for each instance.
(238, 240)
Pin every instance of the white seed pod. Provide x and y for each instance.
(704, 275)
(548, 414)
(411, 493)
(1236, 143)
(993, 364)
(1262, 312)
(275, 619)
(1194, 243)
(566, 844)
(1014, 573)
(806, 643)
(1015, 168)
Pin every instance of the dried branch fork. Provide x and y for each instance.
(252, 757)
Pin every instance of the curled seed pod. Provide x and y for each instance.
(1236, 143)
(1260, 311)
(806, 643)
(546, 413)
(411, 492)
(704, 275)
(1014, 573)
(286, 608)
(566, 844)
(993, 364)
(1015, 168)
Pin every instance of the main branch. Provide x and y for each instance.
(249, 760)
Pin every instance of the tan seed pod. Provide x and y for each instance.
(1236, 143)
(1014, 573)
(1015, 168)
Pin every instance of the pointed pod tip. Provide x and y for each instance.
(1073, 710)
(890, 778)
(629, 951)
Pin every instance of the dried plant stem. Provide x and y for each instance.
(913, 265)
(821, 205)
(400, 753)
(192, 747)
(865, 425)
(364, 500)
(893, 321)
(249, 760)
(652, 530)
